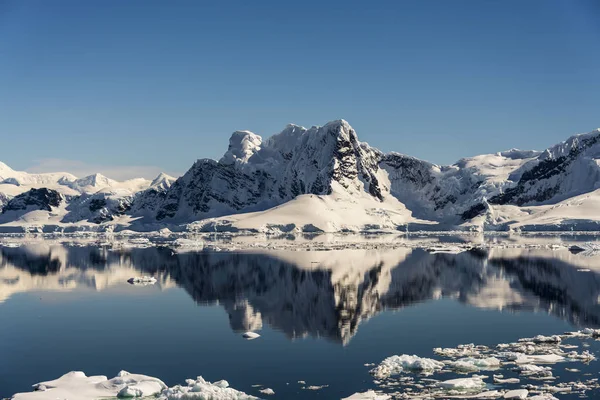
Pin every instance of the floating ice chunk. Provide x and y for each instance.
(76, 385)
(472, 383)
(201, 390)
(584, 356)
(142, 280)
(250, 335)
(475, 364)
(488, 394)
(141, 389)
(516, 394)
(500, 379)
(316, 387)
(462, 350)
(544, 396)
(368, 395)
(267, 391)
(535, 371)
(520, 358)
(542, 339)
(396, 364)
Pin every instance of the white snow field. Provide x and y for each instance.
(322, 179)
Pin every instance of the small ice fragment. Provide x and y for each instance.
(516, 394)
(302, 382)
(462, 383)
(316, 387)
(250, 335)
(267, 391)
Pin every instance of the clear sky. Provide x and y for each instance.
(133, 87)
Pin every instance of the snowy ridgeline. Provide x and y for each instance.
(322, 179)
(522, 369)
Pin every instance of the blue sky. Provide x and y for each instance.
(133, 87)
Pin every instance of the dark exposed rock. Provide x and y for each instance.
(41, 199)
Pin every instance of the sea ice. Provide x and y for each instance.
(470, 364)
(516, 394)
(200, 389)
(472, 383)
(250, 335)
(396, 364)
(76, 385)
(368, 395)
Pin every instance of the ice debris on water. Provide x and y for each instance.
(473, 383)
(250, 335)
(396, 364)
(528, 359)
(267, 391)
(368, 395)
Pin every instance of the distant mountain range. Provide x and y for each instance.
(322, 179)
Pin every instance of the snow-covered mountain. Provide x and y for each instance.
(62, 198)
(325, 179)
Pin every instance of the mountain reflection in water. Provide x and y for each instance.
(322, 294)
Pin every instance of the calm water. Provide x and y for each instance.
(322, 315)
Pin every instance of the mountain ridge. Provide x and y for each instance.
(325, 177)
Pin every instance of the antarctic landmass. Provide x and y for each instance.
(321, 179)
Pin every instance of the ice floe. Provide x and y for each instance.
(267, 391)
(475, 364)
(525, 361)
(76, 385)
(250, 335)
(396, 364)
(368, 395)
(473, 383)
(199, 389)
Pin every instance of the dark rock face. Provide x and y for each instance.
(41, 199)
(97, 208)
(3, 201)
(474, 211)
